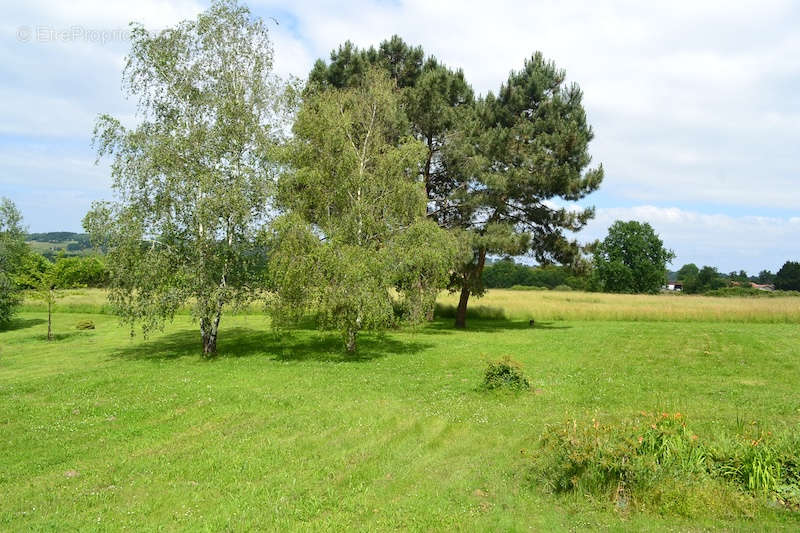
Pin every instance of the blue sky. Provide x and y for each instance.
(694, 104)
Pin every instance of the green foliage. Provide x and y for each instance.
(193, 178)
(489, 166)
(12, 254)
(506, 274)
(631, 259)
(522, 148)
(687, 272)
(505, 374)
(355, 224)
(749, 292)
(527, 288)
(788, 277)
(73, 272)
(32, 267)
(81, 239)
(85, 324)
(765, 277)
(630, 461)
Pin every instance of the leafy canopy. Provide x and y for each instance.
(354, 226)
(13, 251)
(194, 178)
(632, 258)
(491, 166)
(788, 277)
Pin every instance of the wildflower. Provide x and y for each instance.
(694, 437)
(677, 415)
(641, 439)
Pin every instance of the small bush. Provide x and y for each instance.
(505, 373)
(85, 324)
(527, 288)
(562, 288)
(751, 292)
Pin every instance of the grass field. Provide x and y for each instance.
(102, 432)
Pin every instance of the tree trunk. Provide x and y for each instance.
(210, 328)
(50, 319)
(351, 340)
(461, 311)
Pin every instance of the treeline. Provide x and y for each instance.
(65, 272)
(506, 273)
(81, 239)
(695, 280)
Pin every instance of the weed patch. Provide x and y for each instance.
(505, 374)
(657, 462)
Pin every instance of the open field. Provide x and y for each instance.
(556, 305)
(552, 305)
(101, 432)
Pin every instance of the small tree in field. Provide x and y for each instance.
(46, 288)
(193, 178)
(12, 253)
(632, 259)
(355, 226)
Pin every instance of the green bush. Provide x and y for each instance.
(527, 288)
(85, 324)
(505, 373)
(735, 292)
(562, 288)
(9, 298)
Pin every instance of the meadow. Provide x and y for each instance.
(286, 432)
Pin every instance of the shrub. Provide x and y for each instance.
(527, 288)
(636, 461)
(562, 288)
(749, 292)
(85, 324)
(9, 298)
(505, 373)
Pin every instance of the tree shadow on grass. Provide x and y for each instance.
(445, 325)
(284, 346)
(21, 323)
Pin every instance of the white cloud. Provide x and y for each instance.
(693, 103)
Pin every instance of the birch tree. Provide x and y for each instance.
(354, 228)
(194, 177)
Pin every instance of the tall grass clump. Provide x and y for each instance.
(657, 462)
(577, 305)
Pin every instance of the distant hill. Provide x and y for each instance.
(58, 236)
(52, 243)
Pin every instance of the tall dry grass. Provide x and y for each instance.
(573, 305)
(544, 305)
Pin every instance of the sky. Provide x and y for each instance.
(694, 105)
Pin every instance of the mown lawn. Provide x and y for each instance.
(101, 432)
